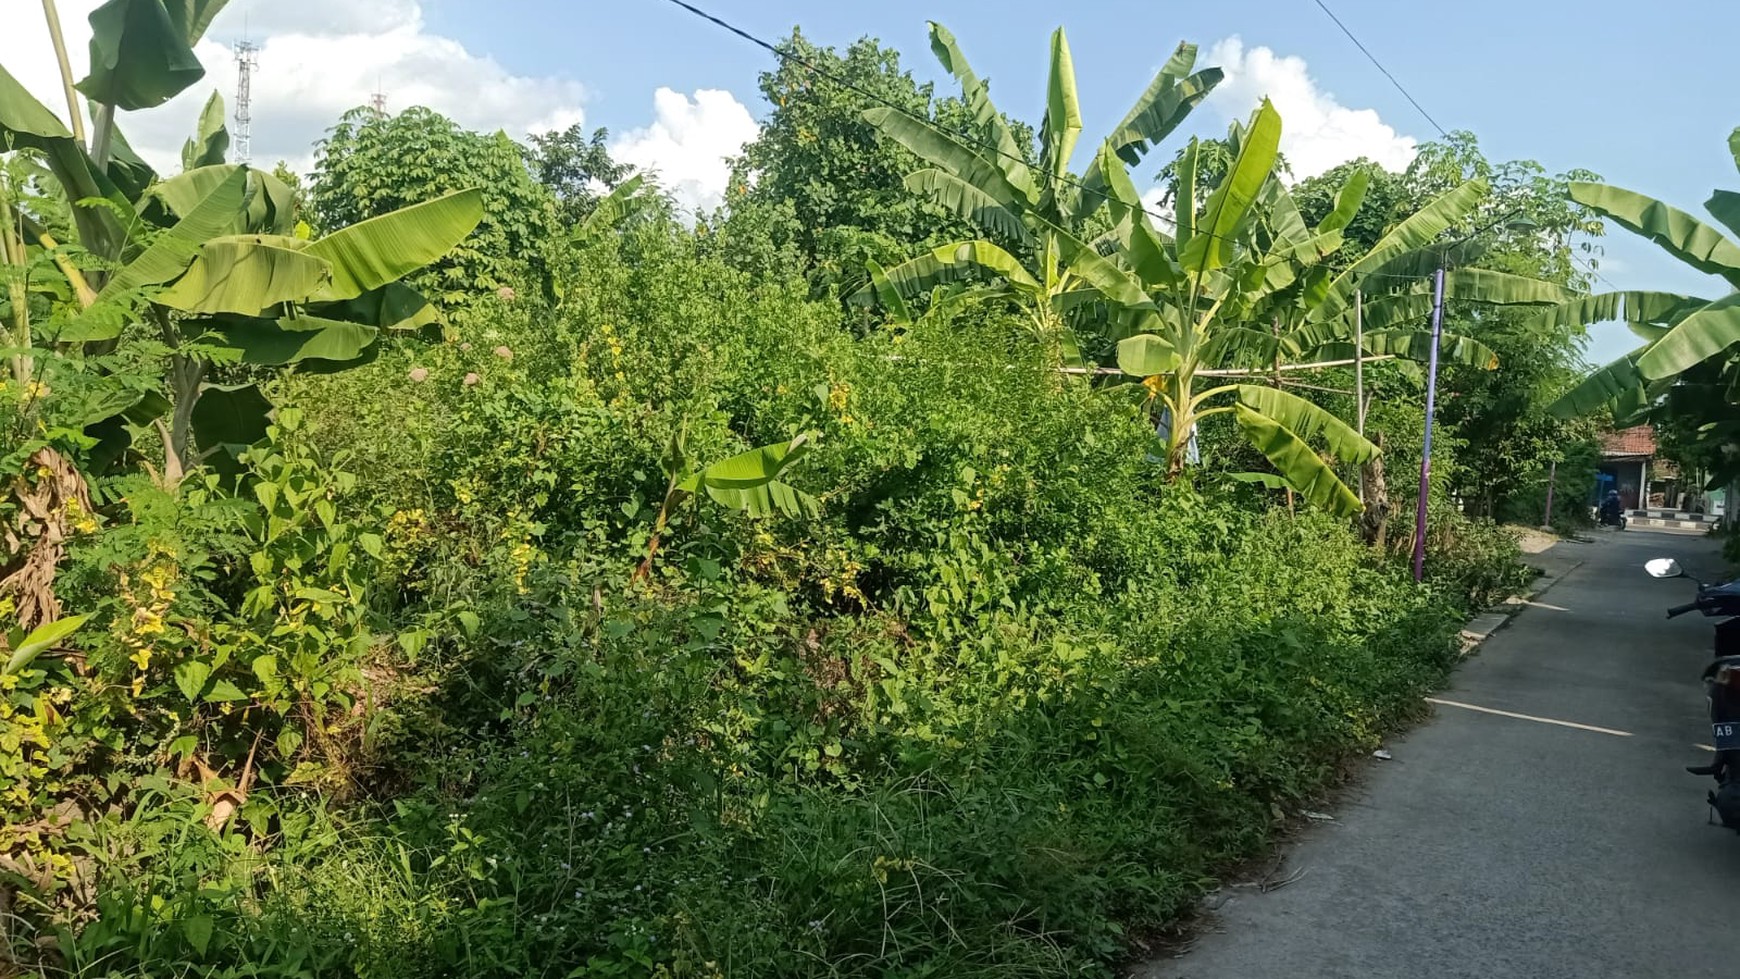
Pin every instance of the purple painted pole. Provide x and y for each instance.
(1431, 407)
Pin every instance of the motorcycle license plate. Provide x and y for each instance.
(1726, 735)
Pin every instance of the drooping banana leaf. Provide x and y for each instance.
(1169, 99)
(969, 203)
(141, 52)
(1453, 348)
(958, 262)
(887, 295)
(1701, 335)
(247, 274)
(1678, 233)
(1417, 231)
(172, 251)
(1303, 469)
(948, 154)
(289, 339)
(395, 307)
(1601, 388)
(749, 481)
(370, 254)
(27, 123)
(1626, 307)
(227, 419)
(1307, 420)
(987, 121)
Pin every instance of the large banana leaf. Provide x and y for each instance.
(954, 263)
(27, 123)
(1418, 230)
(1083, 262)
(987, 121)
(395, 306)
(1213, 242)
(227, 419)
(211, 140)
(1062, 124)
(172, 251)
(1453, 348)
(1306, 420)
(1503, 288)
(613, 208)
(1303, 469)
(1601, 388)
(1701, 335)
(749, 481)
(887, 295)
(949, 154)
(969, 203)
(269, 207)
(1626, 307)
(247, 275)
(1145, 355)
(1347, 202)
(1169, 99)
(142, 50)
(291, 339)
(1680, 234)
(1724, 206)
(373, 253)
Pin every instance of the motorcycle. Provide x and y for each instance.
(1611, 515)
(1721, 685)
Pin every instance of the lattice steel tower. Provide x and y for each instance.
(247, 59)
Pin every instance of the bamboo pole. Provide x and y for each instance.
(52, 15)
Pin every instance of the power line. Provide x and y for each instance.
(1589, 266)
(1380, 67)
(785, 55)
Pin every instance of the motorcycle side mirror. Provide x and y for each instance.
(1663, 567)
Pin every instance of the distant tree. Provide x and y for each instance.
(298, 191)
(822, 180)
(576, 168)
(371, 163)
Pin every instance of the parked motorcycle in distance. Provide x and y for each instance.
(1721, 685)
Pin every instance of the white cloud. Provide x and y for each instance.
(317, 58)
(1317, 131)
(690, 143)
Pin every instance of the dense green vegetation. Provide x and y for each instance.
(728, 599)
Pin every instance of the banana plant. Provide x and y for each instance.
(1678, 332)
(749, 482)
(1036, 215)
(209, 260)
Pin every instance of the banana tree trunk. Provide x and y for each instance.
(12, 260)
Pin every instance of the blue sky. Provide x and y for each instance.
(1634, 93)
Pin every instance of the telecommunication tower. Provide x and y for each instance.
(247, 59)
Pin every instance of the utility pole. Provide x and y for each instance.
(1552, 477)
(247, 59)
(1359, 375)
(1431, 407)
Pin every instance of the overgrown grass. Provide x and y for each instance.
(1011, 699)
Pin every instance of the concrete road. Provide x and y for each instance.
(1500, 846)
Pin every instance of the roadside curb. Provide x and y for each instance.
(1552, 571)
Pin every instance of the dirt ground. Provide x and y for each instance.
(1532, 539)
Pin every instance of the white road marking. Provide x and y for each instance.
(1530, 717)
(1706, 747)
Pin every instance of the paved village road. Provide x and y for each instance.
(1495, 846)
